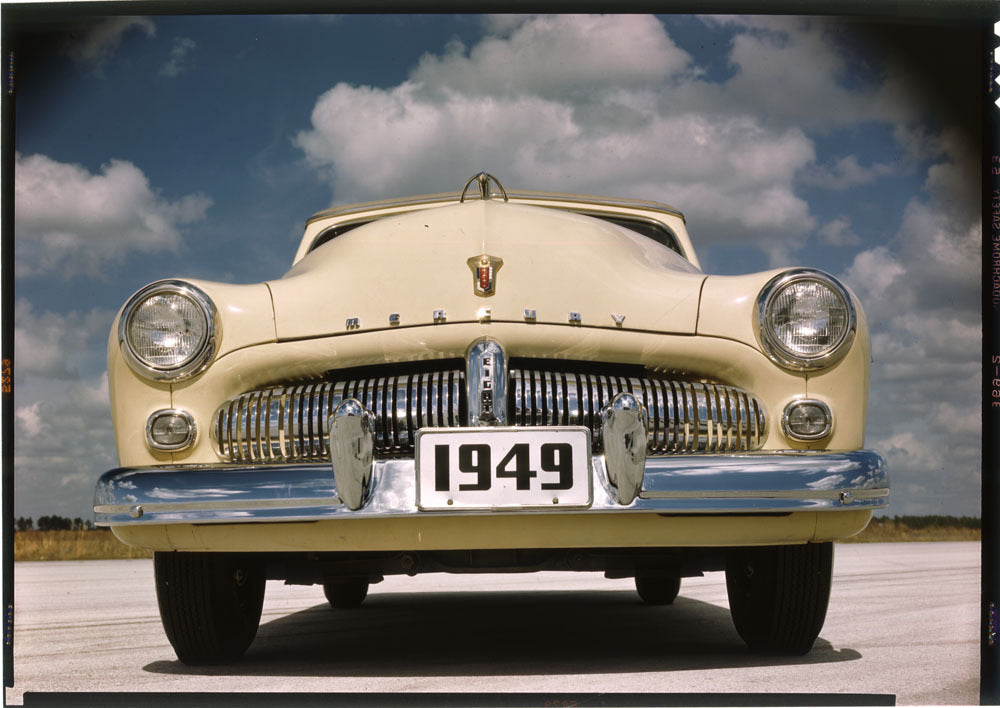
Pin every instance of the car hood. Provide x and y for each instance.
(412, 270)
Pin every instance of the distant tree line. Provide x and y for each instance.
(53, 523)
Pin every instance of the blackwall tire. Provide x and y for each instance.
(778, 595)
(210, 603)
(346, 595)
(657, 589)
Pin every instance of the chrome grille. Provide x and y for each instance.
(684, 417)
(289, 423)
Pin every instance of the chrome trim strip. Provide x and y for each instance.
(764, 482)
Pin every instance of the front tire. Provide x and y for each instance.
(210, 603)
(778, 595)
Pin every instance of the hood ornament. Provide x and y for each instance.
(484, 274)
(483, 180)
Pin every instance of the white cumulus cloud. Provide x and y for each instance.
(73, 222)
(65, 441)
(839, 232)
(921, 291)
(563, 54)
(49, 344)
(792, 68)
(180, 57)
(574, 103)
(845, 173)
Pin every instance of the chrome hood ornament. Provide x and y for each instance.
(484, 273)
(483, 180)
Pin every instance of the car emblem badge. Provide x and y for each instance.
(484, 273)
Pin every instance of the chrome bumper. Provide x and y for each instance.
(764, 482)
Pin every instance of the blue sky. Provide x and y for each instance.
(197, 146)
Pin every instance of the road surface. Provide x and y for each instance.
(903, 620)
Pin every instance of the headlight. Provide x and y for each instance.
(805, 320)
(168, 331)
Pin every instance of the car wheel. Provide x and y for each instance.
(346, 595)
(778, 595)
(657, 589)
(210, 603)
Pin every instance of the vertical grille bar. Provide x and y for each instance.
(256, 447)
(420, 406)
(757, 419)
(572, 399)
(741, 421)
(452, 400)
(404, 419)
(548, 380)
(305, 421)
(722, 396)
(712, 394)
(285, 418)
(313, 416)
(273, 439)
(688, 413)
(435, 383)
(665, 437)
(242, 426)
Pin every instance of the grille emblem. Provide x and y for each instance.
(484, 273)
(486, 379)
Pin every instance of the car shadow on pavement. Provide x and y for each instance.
(502, 634)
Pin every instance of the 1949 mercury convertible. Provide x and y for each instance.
(491, 381)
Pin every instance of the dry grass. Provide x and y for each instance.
(101, 543)
(72, 545)
(882, 530)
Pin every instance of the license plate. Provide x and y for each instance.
(503, 468)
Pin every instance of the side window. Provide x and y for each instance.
(657, 232)
(333, 232)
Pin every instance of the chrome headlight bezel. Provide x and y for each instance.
(194, 363)
(775, 348)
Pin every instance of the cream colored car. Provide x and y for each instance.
(485, 381)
